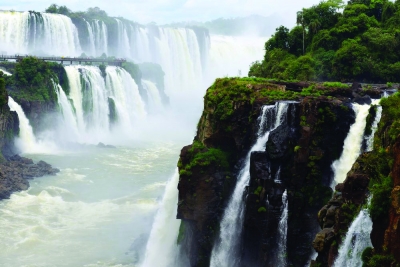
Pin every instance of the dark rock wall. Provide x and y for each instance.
(8, 130)
(303, 150)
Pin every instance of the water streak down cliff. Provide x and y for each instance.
(299, 151)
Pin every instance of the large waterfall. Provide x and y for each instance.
(226, 247)
(100, 105)
(38, 33)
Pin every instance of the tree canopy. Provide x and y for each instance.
(357, 41)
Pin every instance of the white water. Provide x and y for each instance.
(282, 232)
(90, 94)
(101, 203)
(5, 72)
(50, 34)
(352, 145)
(26, 141)
(357, 239)
(153, 96)
(374, 127)
(161, 249)
(224, 252)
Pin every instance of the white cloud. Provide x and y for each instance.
(165, 11)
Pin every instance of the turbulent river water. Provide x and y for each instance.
(98, 211)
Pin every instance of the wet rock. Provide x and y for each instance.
(323, 239)
(362, 100)
(102, 145)
(14, 174)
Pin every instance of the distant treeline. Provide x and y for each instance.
(245, 26)
(357, 41)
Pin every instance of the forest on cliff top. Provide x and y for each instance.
(357, 41)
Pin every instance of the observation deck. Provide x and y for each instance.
(71, 60)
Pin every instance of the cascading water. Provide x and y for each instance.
(224, 252)
(5, 72)
(27, 140)
(374, 126)
(91, 96)
(357, 239)
(161, 247)
(69, 124)
(282, 232)
(352, 145)
(38, 33)
(153, 96)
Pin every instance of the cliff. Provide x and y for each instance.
(14, 170)
(299, 153)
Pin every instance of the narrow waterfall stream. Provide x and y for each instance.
(225, 249)
(374, 127)
(161, 248)
(27, 140)
(357, 239)
(282, 232)
(352, 145)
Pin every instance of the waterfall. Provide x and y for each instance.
(125, 93)
(352, 145)
(100, 103)
(374, 126)
(161, 247)
(69, 124)
(357, 239)
(27, 140)
(282, 232)
(5, 72)
(225, 252)
(153, 96)
(123, 49)
(38, 33)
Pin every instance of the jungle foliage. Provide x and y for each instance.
(333, 41)
(33, 80)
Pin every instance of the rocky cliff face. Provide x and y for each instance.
(299, 156)
(8, 129)
(297, 159)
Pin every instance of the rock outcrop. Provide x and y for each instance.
(299, 152)
(15, 173)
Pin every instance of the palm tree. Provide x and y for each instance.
(300, 21)
(314, 25)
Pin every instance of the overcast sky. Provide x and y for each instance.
(166, 11)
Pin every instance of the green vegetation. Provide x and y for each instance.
(3, 92)
(258, 190)
(153, 72)
(181, 234)
(370, 120)
(34, 80)
(134, 70)
(200, 155)
(370, 259)
(336, 41)
(262, 209)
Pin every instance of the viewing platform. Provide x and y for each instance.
(71, 60)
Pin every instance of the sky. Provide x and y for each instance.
(168, 11)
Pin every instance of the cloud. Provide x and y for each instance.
(166, 11)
